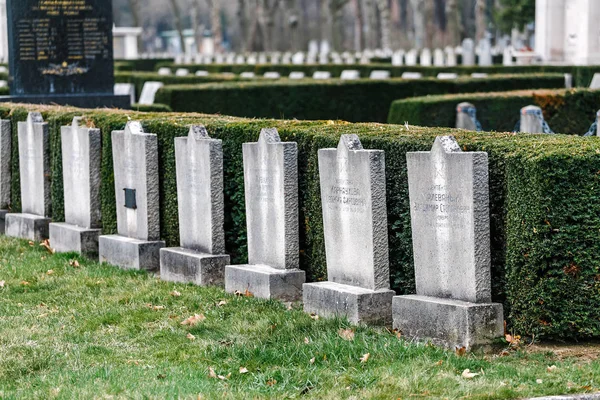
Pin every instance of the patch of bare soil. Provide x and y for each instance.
(585, 351)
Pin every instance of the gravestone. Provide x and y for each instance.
(438, 58)
(298, 58)
(5, 170)
(507, 57)
(569, 81)
(353, 195)
(450, 222)
(411, 58)
(450, 56)
(271, 194)
(595, 81)
(479, 75)
(125, 89)
(164, 71)
(466, 117)
(350, 74)
(425, 58)
(81, 153)
(485, 53)
(240, 60)
(62, 52)
(247, 75)
(296, 75)
(411, 75)
(182, 72)
(398, 58)
(321, 75)
(200, 259)
(34, 171)
(532, 120)
(468, 52)
(3, 84)
(447, 75)
(271, 75)
(379, 74)
(201, 73)
(135, 165)
(597, 123)
(149, 92)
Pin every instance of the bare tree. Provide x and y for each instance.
(384, 23)
(418, 7)
(359, 31)
(178, 22)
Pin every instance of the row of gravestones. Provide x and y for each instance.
(531, 119)
(448, 192)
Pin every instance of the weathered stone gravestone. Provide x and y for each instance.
(438, 57)
(398, 58)
(135, 164)
(271, 194)
(425, 59)
(468, 52)
(296, 75)
(34, 171)
(466, 117)
(321, 75)
(201, 73)
(81, 153)
(247, 75)
(164, 71)
(356, 240)
(125, 89)
(532, 121)
(149, 92)
(182, 72)
(411, 57)
(380, 74)
(200, 259)
(350, 74)
(479, 75)
(485, 53)
(271, 75)
(5, 171)
(447, 75)
(595, 81)
(449, 210)
(411, 75)
(450, 56)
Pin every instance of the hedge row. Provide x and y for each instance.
(545, 216)
(582, 75)
(360, 100)
(148, 65)
(566, 111)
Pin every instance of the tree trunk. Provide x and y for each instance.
(215, 25)
(418, 8)
(453, 30)
(243, 21)
(480, 19)
(359, 32)
(384, 23)
(178, 23)
(134, 6)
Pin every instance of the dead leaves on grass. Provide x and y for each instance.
(346, 334)
(194, 320)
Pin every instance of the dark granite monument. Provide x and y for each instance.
(62, 52)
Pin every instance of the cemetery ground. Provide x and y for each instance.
(70, 327)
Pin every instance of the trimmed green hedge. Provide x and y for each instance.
(582, 75)
(545, 216)
(4, 91)
(360, 100)
(566, 111)
(156, 107)
(149, 64)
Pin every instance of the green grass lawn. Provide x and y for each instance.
(94, 331)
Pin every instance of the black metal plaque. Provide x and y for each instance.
(60, 47)
(130, 201)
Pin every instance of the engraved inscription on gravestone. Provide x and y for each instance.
(60, 47)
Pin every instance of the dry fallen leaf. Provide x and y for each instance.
(194, 319)
(46, 244)
(2, 283)
(74, 263)
(312, 360)
(211, 373)
(306, 340)
(221, 377)
(346, 334)
(243, 370)
(156, 308)
(248, 293)
(31, 243)
(460, 351)
(190, 336)
(552, 368)
(221, 303)
(467, 374)
(539, 381)
(365, 358)
(439, 363)
(49, 272)
(271, 382)
(24, 283)
(175, 293)
(314, 316)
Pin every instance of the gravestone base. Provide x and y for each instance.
(65, 238)
(448, 323)
(359, 305)
(3, 220)
(129, 253)
(265, 282)
(178, 264)
(27, 226)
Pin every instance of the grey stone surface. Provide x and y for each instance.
(464, 120)
(446, 322)
(149, 92)
(135, 162)
(468, 52)
(66, 238)
(355, 214)
(449, 209)
(3, 214)
(271, 194)
(199, 165)
(27, 226)
(125, 89)
(81, 153)
(530, 123)
(359, 305)
(265, 282)
(5, 163)
(178, 264)
(379, 74)
(130, 253)
(34, 165)
(350, 74)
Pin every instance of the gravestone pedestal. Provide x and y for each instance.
(271, 194)
(135, 163)
(449, 209)
(66, 238)
(34, 169)
(356, 242)
(178, 264)
(27, 226)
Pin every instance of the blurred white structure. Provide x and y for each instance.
(125, 43)
(3, 33)
(566, 31)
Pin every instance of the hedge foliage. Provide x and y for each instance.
(582, 75)
(545, 217)
(147, 64)
(360, 100)
(566, 111)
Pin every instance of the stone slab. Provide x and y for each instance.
(27, 226)
(34, 165)
(353, 195)
(149, 92)
(449, 209)
(448, 323)
(271, 195)
(66, 238)
(3, 220)
(359, 305)
(265, 282)
(178, 264)
(5, 163)
(81, 154)
(130, 253)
